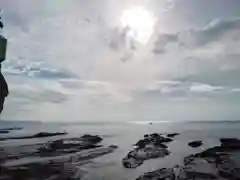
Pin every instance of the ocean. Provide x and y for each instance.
(124, 135)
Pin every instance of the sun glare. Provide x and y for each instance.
(140, 22)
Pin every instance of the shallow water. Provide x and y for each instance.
(125, 135)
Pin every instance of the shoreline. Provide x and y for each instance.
(57, 152)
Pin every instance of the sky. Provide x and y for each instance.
(122, 60)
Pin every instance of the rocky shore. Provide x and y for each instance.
(219, 163)
(54, 160)
(151, 146)
(63, 158)
(38, 135)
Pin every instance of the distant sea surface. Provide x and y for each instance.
(126, 134)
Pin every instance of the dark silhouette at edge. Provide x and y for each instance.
(3, 83)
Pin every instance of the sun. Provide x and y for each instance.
(140, 22)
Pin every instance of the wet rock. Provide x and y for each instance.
(11, 129)
(131, 162)
(159, 144)
(195, 144)
(42, 171)
(228, 169)
(38, 135)
(148, 148)
(142, 143)
(61, 160)
(171, 135)
(211, 152)
(92, 138)
(232, 143)
(198, 168)
(3, 132)
(216, 163)
(70, 145)
(46, 134)
(113, 146)
(161, 174)
(221, 167)
(151, 138)
(136, 157)
(219, 162)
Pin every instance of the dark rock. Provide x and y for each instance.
(46, 134)
(58, 144)
(171, 135)
(159, 144)
(155, 135)
(198, 168)
(161, 174)
(211, 152)
(195, 144)
(154, 138)
(216, 163)
(219, 162)
(92, 139)
(113, 146)
(38, 135)
(228, 168)
(42, 171)
(158, 137)
(3, 132)
(232, 143)
(165, 140)
(11, 129)
(146, 136)
(62, 162)
(148, 148)
(3, 90)
(142, 143)
(57, 165)
(70, 145)
(131, 162)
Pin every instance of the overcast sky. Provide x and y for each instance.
(119, 60)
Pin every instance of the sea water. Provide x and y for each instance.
(125, 135)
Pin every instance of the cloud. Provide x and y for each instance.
(218, 31)
(65, 54)
(204, 88)
(182, 89)
(121, 42)
(236, 90)
(207, 55)
(31, 97)
(105, 91)
(36, 92)
(37, 70)
(170, 4)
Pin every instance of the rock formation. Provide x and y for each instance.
(195, 144)
(216, 163)
(3, 84)
(152, 146)
(3, 90)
